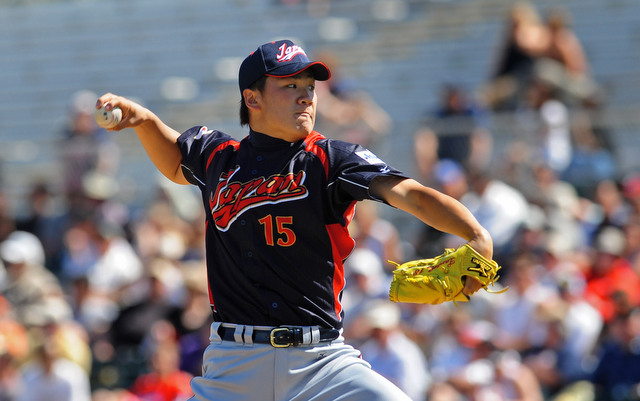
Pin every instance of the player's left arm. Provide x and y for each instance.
(436, 209)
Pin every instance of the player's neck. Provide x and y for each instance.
(293, 136)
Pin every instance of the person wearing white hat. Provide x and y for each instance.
(35, 294)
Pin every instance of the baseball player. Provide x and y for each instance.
(278, 203)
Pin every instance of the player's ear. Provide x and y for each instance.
(251, 98)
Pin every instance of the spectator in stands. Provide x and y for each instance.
(450, 178)
(7, 219)
(14, 348)
(347, 111)
(98, 249)
(613, 288)
(71, 340)
(564, 45)
(165, 381)
(535, 50)
(552, 142)
(391, 353)
(116, 394)
(502, 209)
(141, 326)
(161, 232)
(617, 376)
(514, 379)
(490, 374)
(195, 318)
(632, 236)
(92, 309)
(376, 233)
(96, 260)
(630, 186)
(93, 200)
(43, 219)
(39, 204)
(614, 207)
(574, 330)
(366, 280)
(52, 377)
(425, 153)
(593, 160)
(558, 198)
(459, 127)
(85, 147)
(195, 309)
(34, 293)
(525, 39)
(154, 304)
(563, 63)
(441, 339)
(518, 325)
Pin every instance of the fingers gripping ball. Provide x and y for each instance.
(108, 118)
(440, 279)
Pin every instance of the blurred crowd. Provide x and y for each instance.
(101, 301)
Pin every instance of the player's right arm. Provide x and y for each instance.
(158, 139)
(438, 210)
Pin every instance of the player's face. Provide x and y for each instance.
(289, 106)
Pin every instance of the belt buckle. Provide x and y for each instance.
(272, 338)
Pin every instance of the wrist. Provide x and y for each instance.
(482, 242)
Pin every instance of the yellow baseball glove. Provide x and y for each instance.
(440, 279)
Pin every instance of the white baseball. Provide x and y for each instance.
(108, 118)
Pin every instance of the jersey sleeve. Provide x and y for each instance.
(353, 167)
(197, 146)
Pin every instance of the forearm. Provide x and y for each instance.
(436, 209)
(160, 142)
(158, 139)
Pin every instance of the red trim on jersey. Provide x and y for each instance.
(336, 231)
(223, 145)
(213, 304)
(341, 244)
(311, 146)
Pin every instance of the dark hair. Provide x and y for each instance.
(244, 110)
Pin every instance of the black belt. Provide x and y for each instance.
(279, 337)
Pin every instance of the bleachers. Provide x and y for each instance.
(51, 50)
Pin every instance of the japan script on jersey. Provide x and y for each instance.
(232, 198)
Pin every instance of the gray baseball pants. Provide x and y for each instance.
(244, 371)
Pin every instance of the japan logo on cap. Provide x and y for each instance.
(281, 58)
(287, 53)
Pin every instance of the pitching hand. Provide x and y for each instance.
(133, 114)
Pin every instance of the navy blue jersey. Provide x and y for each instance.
(277, 217)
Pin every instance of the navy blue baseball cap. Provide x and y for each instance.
(281, 58)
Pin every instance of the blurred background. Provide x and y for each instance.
(528, 112)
